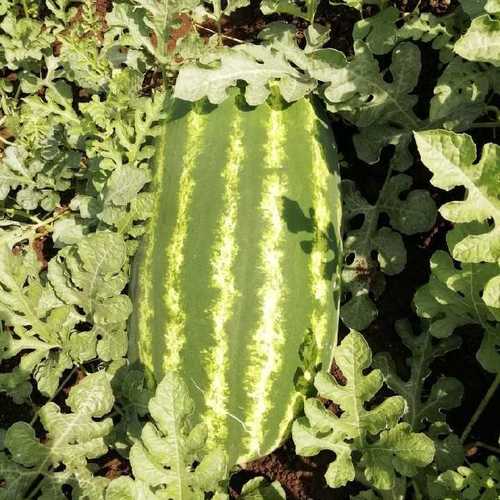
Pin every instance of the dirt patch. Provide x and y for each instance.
(302, 478)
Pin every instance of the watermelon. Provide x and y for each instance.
(236, 284)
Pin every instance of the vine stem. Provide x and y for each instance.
(486, 125)
(50, 220)
(486, 446)
(209, 30)
(25, 8)
(418, 493)
(5, 141)
(164, 77)
(59, 389)
(37, 488)
(32, 230)
(482, 405)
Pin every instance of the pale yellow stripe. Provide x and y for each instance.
(222, 279)
(144, 305)
(319, 255)
(321, 288)
(172, 298)
(266, 354)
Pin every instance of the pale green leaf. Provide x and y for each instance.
(378, 31)
(360, 435)
(481, 42)
(459, 95)
(124, 184)
(453, 298)
(260, 489)
(23, 40)
(41, 327)
(90, 274)
(71, 439)
(125, 488)
(451, 158)
(16, 478)
(67, 231)
(398, 450)
(253, 64)
(169, 445)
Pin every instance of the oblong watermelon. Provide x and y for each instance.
(236, 283)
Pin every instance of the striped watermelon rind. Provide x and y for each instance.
(236, 285)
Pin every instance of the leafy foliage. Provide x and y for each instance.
(70, 440)
(360, 93)
(426, 403)
(453, 298)
(445, 394)
(259, 489)
(360, 275)
(468, 295)
(278, 60)
(38, 322)
(476, 481)
(83, 92)
(384, 30)
(291, 7)
(451, 158)
(43, 318)
(163, 457)
(385, 445)
(482, 39)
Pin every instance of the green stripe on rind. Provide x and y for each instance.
(329, 226)
(172, 294)
(246, 218)
(139, 332)
(224, 254)
(322, 218)
(178, 134)
(267, 340)
(200, 295)
(248, 276)
(298, 213)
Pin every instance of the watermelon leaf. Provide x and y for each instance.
(362, 272)
(162, 460)
(451, 158)
(70, 440)
(444, 394)
(481, 42)
(475, 482)
(38, 324)
(254, 64)
(454, 297)
(259, 488)
(384, 445)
